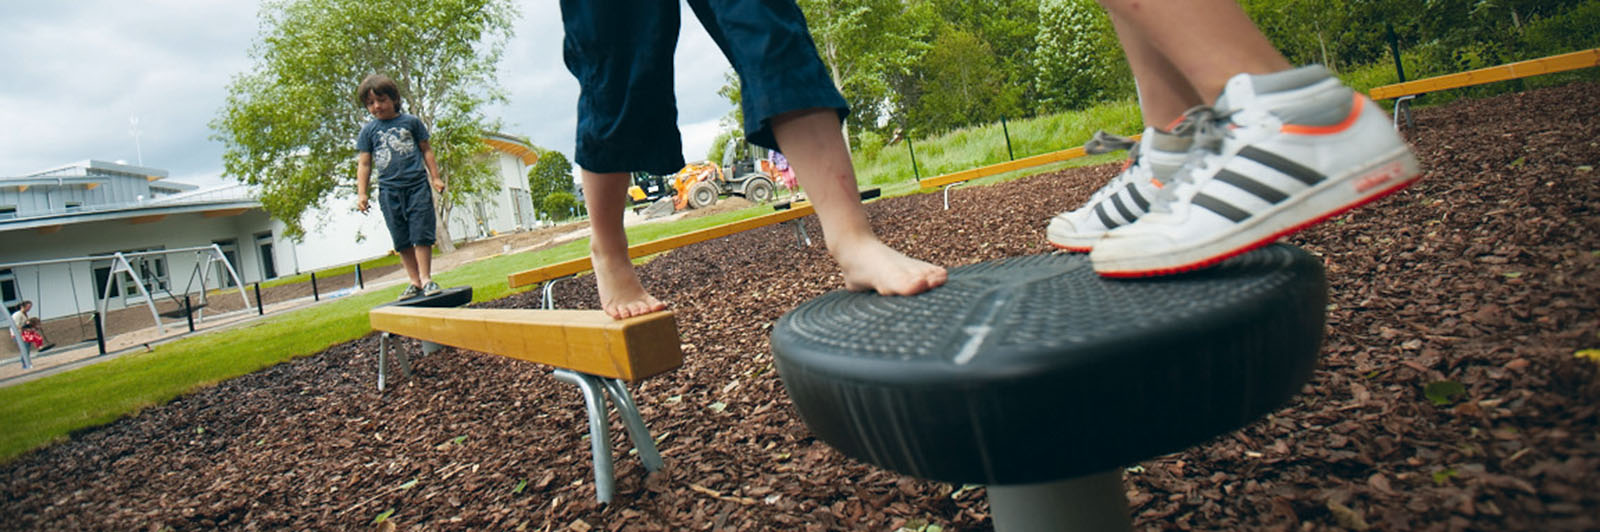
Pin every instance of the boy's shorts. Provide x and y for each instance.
(621, 52)
(408, 211)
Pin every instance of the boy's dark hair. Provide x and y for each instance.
(381, 84)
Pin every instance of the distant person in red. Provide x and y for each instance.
(20, 317)
(33, 336)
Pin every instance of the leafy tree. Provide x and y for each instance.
(551, 174)
(559, 205)
(1078, 61)
(960, 84)
(864, 43)
(290, 121)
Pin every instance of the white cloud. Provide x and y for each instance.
(76, 71)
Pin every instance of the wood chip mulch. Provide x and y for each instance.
(1485, 274)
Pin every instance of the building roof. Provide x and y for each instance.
(226, 200)
(515, 146)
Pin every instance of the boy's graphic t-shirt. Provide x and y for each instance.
(393, 145)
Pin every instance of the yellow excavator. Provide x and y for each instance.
(745, 171)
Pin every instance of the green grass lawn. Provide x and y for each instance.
(37, 413)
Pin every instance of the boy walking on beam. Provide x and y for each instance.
(397, 144)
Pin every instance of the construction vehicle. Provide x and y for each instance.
(745, 171)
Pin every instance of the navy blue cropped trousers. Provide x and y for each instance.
(621, 52)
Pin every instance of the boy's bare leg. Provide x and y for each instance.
(621, 293)
(1208, 41)
(408, 259)
(815, 148)
(1164, 93)
(424, 259)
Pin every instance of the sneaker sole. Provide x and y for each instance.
(1251, 238)
(1074, 249)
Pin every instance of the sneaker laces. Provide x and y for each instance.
(1210, 128)
(1103, 142)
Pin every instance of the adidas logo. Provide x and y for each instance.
(1384, 174)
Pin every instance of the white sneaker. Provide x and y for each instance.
(1283, 152)
(1151, 162)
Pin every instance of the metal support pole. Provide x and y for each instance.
(947, 194)
(188, 311)
(1093, 502)
(99, 333)
(914, 172)
(802, 238)
(1007, 131)
(549, 290)
(383, 349)
(261, 309)
(1394, 50)
(637, 431)
(599, 431)
(314, 295)
(360, 283)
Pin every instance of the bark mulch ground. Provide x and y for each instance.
(1482, 276)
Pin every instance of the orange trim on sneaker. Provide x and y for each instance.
(1173, 124)
(1355, 113)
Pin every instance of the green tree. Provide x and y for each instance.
(864, 43)
(960, 84)
(560, 205)
(290, 122)
(1078, 61)
(550, 175)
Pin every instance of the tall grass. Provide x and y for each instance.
(962, 149)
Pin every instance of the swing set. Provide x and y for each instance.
(123, 263)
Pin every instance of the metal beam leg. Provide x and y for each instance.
(947, 195)
(802, 238)
(1093, 502)
(383, 349)
(599, 432)
(629, 412)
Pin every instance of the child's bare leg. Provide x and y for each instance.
(1208, 41)
(621, 293)
(1164, 93)
(424, 256)
(408, 260)
(815, 148)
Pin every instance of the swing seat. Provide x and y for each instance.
(181, 312)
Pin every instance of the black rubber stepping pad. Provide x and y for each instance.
(1035, 369)
(450, 297)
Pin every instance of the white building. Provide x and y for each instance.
(94, 208)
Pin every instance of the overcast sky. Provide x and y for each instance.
(74, 73)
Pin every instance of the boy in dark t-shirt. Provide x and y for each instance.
(397, 144)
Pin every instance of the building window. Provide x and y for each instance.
(152, 269)
(8, 211)
(9, 294)
(269, 262)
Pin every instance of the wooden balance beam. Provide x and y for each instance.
(587, 349)
(1509, 71)
(950, 180)
(585, 341)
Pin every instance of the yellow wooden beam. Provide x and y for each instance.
(1520, 69)
(582, 264)
(586, 341)
(1008, 166)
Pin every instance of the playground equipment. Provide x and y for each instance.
(955, 179)
(122, 264)
(1403, 93)
(1042, 380)
(745, 171)
(587, 349)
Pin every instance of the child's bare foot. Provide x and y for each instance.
(870, 265)
(622, 296)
